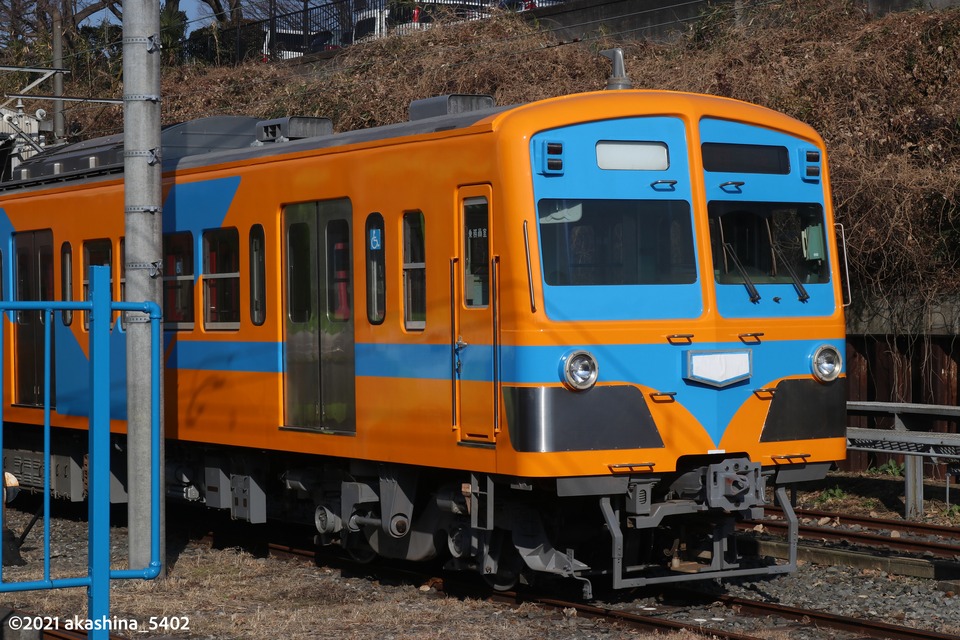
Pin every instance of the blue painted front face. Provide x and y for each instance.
(616, 230)
(765, 204)
(616, 225)
(617, 233)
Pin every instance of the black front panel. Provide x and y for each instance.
(546, 419)
(806, 410)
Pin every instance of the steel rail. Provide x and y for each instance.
(873, 540)
(634, 620)
(870, 539)
(888, 524)
(859, 626)
(655, 622)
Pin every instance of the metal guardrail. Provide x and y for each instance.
(913, 445)
(97, 581)
(332, 25)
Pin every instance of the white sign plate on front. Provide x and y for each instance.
(719, 368)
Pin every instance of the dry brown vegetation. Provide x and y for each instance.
(884, 93)
(229, 594)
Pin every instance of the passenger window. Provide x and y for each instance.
(95, 253)
(414, 272)
(178, 279)
(221, 279)
(258, 287)
(376, 270)
(476, 263)
(66, 280)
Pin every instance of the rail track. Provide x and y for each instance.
(916, 535)
(674, 611)
(660, 620)
(859, 627)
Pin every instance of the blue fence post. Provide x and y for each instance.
(98, 594)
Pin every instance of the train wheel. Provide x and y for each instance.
(508, 560)
(358, 548)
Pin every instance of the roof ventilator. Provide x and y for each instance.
(292, 128)
(449, 105)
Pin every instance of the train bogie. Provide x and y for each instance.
(580, 337)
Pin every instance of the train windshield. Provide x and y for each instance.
(616, 242)
(607, 259)
(757, 243)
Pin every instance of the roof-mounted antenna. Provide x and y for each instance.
(618, 77)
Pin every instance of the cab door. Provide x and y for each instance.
(34, 278)
(474, 336)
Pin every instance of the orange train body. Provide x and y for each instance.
(593, 323)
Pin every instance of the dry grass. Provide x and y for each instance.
(229, 594)
(884, 93)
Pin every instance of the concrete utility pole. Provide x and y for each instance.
(144, 252)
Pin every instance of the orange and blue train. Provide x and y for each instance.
(579, 338)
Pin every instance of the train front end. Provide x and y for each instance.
(673, 353)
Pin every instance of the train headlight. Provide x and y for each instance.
(579, 370)
(827, 363)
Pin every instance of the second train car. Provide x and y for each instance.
(580, 337)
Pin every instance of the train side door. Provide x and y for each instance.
(34, 281)
(318, 373)
(474, 344)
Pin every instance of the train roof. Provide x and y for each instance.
(224, 138)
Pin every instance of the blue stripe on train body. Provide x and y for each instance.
(194, 207)
(198, 206)
(658, 366)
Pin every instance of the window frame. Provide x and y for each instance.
(414, 272)
(179, 277)
(88, 245)
(213, 278)
(66, 280)
(476, 244)
(258, 276)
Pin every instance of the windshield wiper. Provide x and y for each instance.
(801, 290)
(747, 282)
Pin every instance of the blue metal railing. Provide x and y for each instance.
(97, 581)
